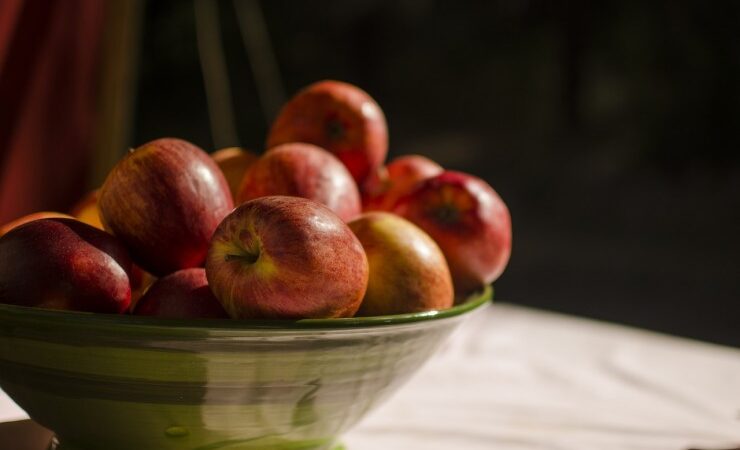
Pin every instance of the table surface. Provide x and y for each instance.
(515, 378)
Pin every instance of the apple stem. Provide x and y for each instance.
(250, 258)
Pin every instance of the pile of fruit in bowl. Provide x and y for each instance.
(240, 301)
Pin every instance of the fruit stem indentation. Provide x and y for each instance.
(248, 257)
(447, 214)
(334, 130)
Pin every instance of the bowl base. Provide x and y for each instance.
(56, 445)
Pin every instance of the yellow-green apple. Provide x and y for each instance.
(30, 218)
(284, 257)
(233, 162)
(399, 177)
(339, 117)
(181, 295)
(408, 272)
(86, 210)
(64, 264)
(163, 201)
(303, 170)
(469, 222)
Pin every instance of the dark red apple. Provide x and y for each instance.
(233, 162)
(181, 295)
(385, 187)
(469, 222)
(64, 264)
(86, 210)
(408, 272)
(340, 118)
(163, 201)
(30, 218)
(285, 257)
(303, 170)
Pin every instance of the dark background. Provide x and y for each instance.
(610, 128)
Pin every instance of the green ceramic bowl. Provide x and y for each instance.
(138, 383)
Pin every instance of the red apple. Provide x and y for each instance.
(164, 200)
(339, 117)
(86, 210)
(285, 257)
(385, 187)
(469, 222)
(408, 272)
(181, 295)
(64, 264)
(233, 162)
(30, 218)
(303, 170)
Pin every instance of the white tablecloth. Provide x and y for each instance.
(516, 378)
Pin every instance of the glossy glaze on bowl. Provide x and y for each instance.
(122, 383)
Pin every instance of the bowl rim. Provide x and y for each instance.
(94, 320)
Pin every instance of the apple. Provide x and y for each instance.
(30, 218)
(64, 264)
(141, 280)
(303, 170)
(408, 272)
(469, 222)
(340, 118)
(181, 295)
(163, 201)
(233, 162)
(283, 257)
(399, 177)
(86, 210)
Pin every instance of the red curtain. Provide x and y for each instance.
(49, 71)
